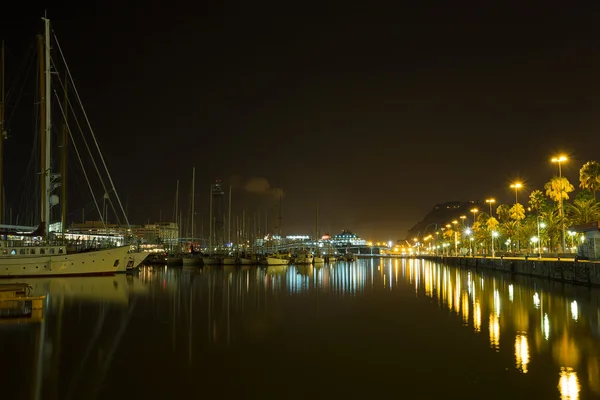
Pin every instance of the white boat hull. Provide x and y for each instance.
(98, 262)
(138, 258)
(277, 261)
(248, 261)
(229, 261)
(210, 261)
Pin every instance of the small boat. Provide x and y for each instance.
(229, 260)
(278, 259)
(211, 260)
(303, 257)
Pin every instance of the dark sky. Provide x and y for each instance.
(373, 118)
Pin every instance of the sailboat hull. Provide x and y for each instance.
(99, 262)
(277, 261)
(229, 261)
(210, 261)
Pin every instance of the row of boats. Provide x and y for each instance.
(278, 258)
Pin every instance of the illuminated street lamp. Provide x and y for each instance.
(536, 240)
(468, 233)
(494, 235)
(474, 211)
(560, 159)
(490, 202)
(455, 222)
(516, 186)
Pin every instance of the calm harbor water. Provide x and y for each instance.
(372, 328)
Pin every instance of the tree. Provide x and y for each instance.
(517, 212)
(537, 200)
(584, 194)
(558, 188)
(589, 177)
(582, 211)
(503, 212)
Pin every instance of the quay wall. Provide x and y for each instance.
(578, 272)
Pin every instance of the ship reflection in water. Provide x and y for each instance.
(369, 328)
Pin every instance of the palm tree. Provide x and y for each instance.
(589, 177)
(503, 212)
(582, 211)
(553, 230)
(509, 229)
(517, 212)
(537, 200)
(558, 188)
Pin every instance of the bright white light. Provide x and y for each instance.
(546, 326)
(468, 231)
(536, 300)
(574, 310)
(510, 292)
(534, 239)
(495, 234)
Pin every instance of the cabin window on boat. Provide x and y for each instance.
(32, 251)
(22, 251)
(116, 263)
(60, 250)
(52, 250)
(13, 252)
(5, 252)
(42, 251)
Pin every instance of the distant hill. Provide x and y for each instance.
(443, 214)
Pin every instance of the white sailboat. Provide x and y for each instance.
(318, 257)
(278, 258)
(210, 259)
(192, 258)
(39, 253)
(229, 258)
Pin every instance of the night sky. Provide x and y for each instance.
(374, 119)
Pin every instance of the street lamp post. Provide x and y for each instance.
(516, 186)
(490, 201)
(468, 233)
(455, 223)
(560, 159)
(539, 240)
(474, 211)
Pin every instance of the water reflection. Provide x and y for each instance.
(214, 318)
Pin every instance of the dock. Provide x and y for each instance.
(16, 302)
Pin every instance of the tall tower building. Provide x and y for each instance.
(218, 213)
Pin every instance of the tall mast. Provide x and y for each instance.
(177, 208)
(42, 79)
(317, 227)
(2, 133)
(47, 98)
(210, 226)
(229, 219)
(193, 180)
(63, 164)
(45, 126)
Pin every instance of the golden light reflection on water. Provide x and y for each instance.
(477, 317)
(494, 329)
(522, 352)
(568, 384)
(465, 308)
(534, 318)
(541, 320)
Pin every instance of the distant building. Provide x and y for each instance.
(160, 232)
(347, 238)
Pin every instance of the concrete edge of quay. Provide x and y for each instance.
(576, 272)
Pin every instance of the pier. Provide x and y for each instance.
(582, 272)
